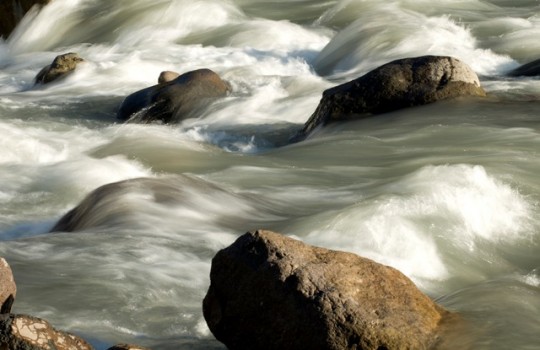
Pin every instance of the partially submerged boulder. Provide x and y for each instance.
(8, 288)
(109, 204)
(21, 332)
(127, 347)
(528, 70)
(173, 100)
(269, 291)
(12, 11)
(62, 66)
(399, 84)
(166, 76)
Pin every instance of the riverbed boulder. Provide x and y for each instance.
(166, 76)
(399, 84)
(62, 66)
(22, 332)
(174, 100)
(12, 11)
(269, 291)
(8, 288)
(527, 70)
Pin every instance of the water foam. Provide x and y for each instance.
(387, 32)
(412, 225)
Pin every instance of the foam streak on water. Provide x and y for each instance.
(447, 193)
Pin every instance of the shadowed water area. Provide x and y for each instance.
(447, 193)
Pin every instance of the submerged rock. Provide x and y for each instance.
(8, 288)
(530, 69)
(127, 347)
(62, 66)
(399, 84)
(269, 291)
(12, 11)
(173, 100)
(107, 204)
(21, 332)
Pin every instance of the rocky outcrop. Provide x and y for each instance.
(8, 289)
(528, 70)
(62, 66)
(272, 292)
(402, 83)
(173, 100)
(21, 332)
(12, 11)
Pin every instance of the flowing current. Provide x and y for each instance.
(447, 193)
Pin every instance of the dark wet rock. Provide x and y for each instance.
(399, 84)
(127, 347)
(528, 70)
(174, 100)
(8, 288)
(21, 332)
(62, 66)
(269, 291)
(166, 76)
(12, 11)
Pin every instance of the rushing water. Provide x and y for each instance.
(447, 193)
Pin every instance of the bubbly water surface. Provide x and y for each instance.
(447, 193)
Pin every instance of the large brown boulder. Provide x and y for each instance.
(21, 332)
(528, 70)
(269, 291)
(12, 11)
(173, 100)
(402, 83)
(8, 289)
(62, 66)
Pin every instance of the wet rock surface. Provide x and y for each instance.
(528, 70)
(269, 291)
(399, 84)
(171, 101)
(62, 66)
(12, 11)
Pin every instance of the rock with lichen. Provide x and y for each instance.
(62, 66)
(8, 288)
(22, 332)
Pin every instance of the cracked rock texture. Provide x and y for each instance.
(399, 84)
(269, 291)
(21, 332)
(8, 288)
